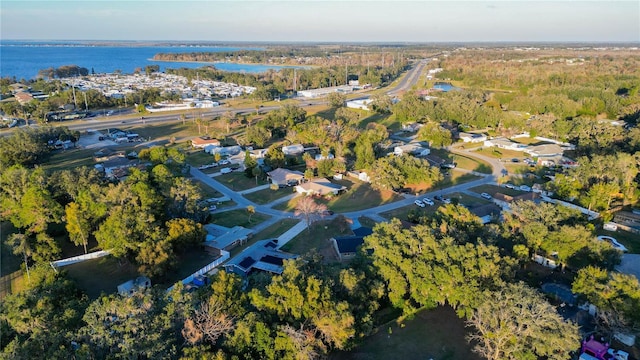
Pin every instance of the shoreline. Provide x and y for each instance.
(235, 62)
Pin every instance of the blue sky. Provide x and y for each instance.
(347, 21)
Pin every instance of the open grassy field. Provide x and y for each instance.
(464, 162)
(266, 196)
(198, 157)
(105, 274)
(359, 196)
(237, 181)
(429, 334)
(316, 238)
(207, 191)
(100, 275)
(240, 217)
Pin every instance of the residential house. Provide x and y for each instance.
(320, 187)
(628, 219)
(360, 175)
(258, 153)
(411, 127)
(414, 148)
(293, 150)
(319, 157)
(226, 151)
(545, 151)
(226, 241)
(262, 256)
(504, 201)
(486, 213)
(23, 97)
(361, 104)
(346, 247)
(201, 142)
(285, 177)
(472, 138)
(503, 143)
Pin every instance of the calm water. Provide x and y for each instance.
(25, 59)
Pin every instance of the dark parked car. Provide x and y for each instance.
(327, 212)
(448, 165)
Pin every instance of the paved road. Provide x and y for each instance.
(104, 122)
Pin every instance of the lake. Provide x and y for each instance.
(24, 59)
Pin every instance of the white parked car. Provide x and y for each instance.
(419, 203)
(428, 201)
(224, 162)
(225, 170)
(616, 245)
(446, 201)
(525, 188)
(485, 196)
(509, 186)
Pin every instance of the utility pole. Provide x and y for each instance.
(86, 106)
(73, 91)
(346, 74)
(295, 81)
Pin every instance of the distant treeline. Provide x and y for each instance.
(313, 56)
(64, 71)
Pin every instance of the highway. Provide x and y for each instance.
(104, 122)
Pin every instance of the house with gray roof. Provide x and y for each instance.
(262, 256)
(218, 239)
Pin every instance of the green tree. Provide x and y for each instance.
(336, 99)
(257, 135)
(517, 323)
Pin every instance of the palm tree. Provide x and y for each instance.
(21, 245)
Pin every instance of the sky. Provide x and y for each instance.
(323, 21)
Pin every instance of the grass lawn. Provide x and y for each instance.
(271, 232)
(164, 132)
(9, 262)
(199, 157)
(359, 196)
(317, 238)
(266, 196)
(455, 178)
(468, 200)
(403, 212)
(101, 275)
(237, 181)
(69, 159)
(629, 240)
(388, 120)
(430, 334)
(493, 189)
(189, 262)
(464, 162)
(237, 217)
(207, 191)
(11, 276)
(501, 153)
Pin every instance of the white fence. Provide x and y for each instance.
(80, 258)
(225, 256)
